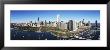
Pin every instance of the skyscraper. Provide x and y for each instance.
(38, 19)
(45, 23)
(31, 24)
(49, 22)
(58, 21)
(63, 25)
(80, 23)
(74, 25)
(83, 21)
(55, 24)
(70, 25)
(38, 24)
(58, 18)
(96, 24)
(89, 24)
(41, 23)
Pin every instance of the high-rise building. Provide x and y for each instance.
(49, 22)
(41, 23)
(63, 25)
(70, 25)
(89, 24)
(30, 23)
(55, 24)
(38, 22)
(45, 23)
(59, 25)
(80, 24)
(58, 21)
(58, 18)
(96, 23)
(74, 25)
(38, 19)
(83, 21)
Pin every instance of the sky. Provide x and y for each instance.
(18, 16)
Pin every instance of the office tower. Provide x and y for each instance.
(55, 24)
(41, 23)
(89, 24)
(52, 23)
(80, 24)
(38, 19)
(96, 24)
(38, 24)
(58, 21)
(58, 18)
(63, 25)
(60, 25)
(70, 25)
(45, 23)
(74, 25)
(30, 23)
(83, 22)
(49, 22)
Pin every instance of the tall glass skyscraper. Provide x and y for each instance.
(70, 25)
(38, 19)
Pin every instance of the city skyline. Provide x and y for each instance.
(51, 15)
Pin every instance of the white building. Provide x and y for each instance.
(55, 24)
(58, 18)
(63, 25)
(74, 25)
(38, 24)
(58, 21)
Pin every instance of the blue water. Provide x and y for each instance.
(27, 35)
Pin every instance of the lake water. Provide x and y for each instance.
(27, 35)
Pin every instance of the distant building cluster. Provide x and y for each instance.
(67, 30)
(71, 25)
